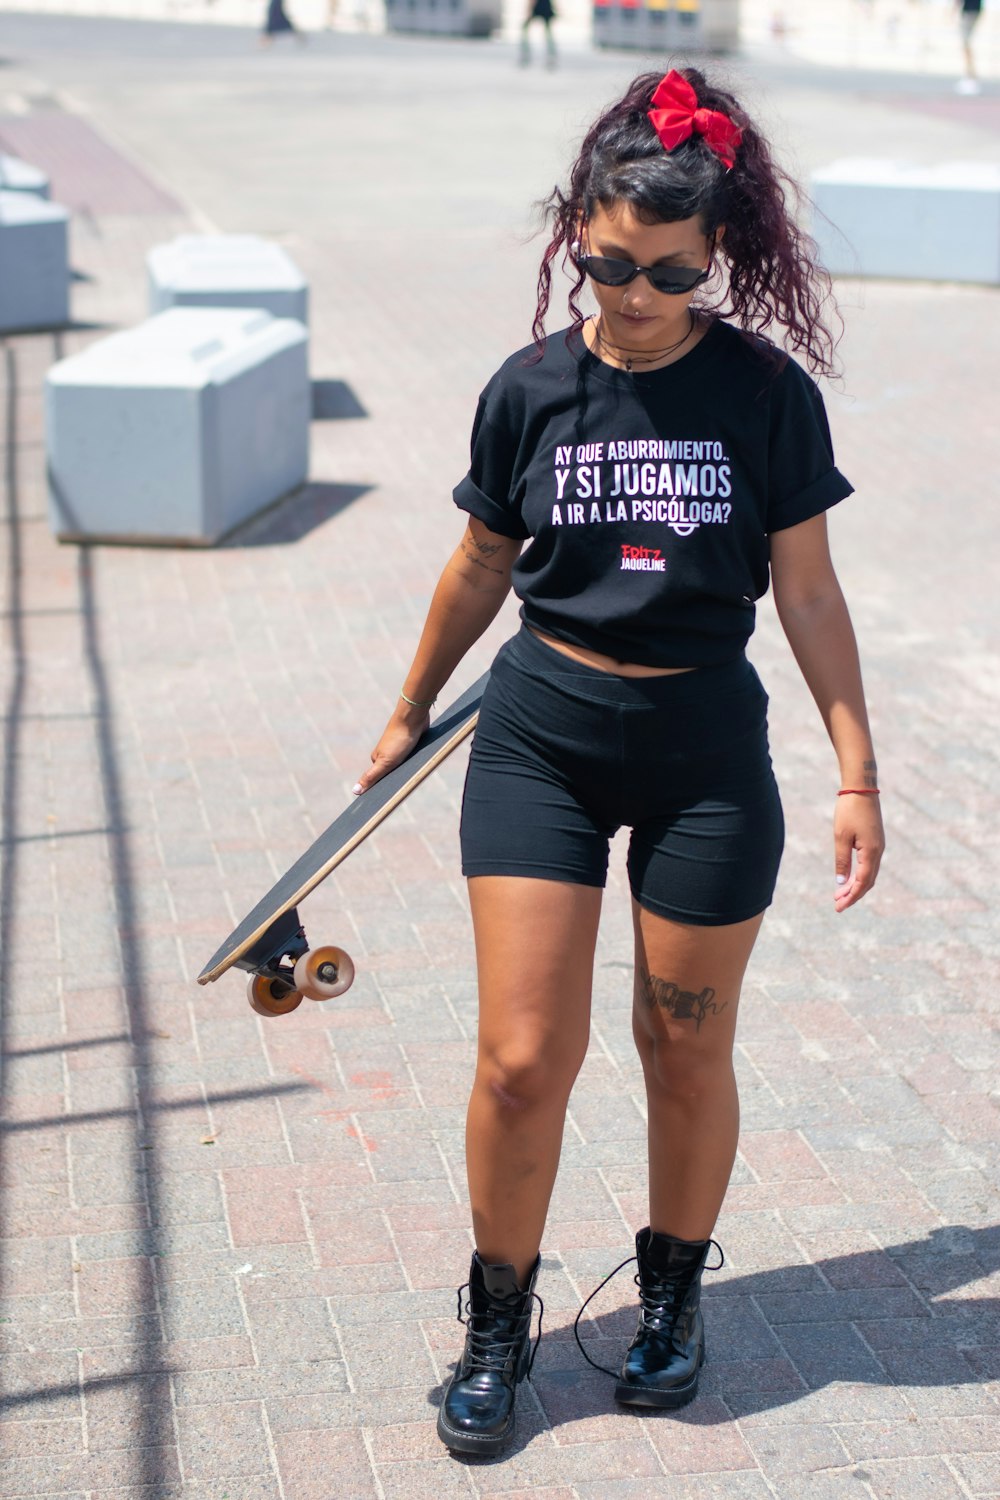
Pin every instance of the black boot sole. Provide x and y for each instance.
(486, 1444)
(639, 1395)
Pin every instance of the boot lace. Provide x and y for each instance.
(652, 1301)
(489, 1350)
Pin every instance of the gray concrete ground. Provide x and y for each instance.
(231, 1245)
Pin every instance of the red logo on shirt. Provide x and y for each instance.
(642, 559)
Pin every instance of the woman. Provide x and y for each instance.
(544, 11)
(658, 461)
(276, 21)
(969, 13)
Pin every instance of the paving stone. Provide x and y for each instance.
(799, 1450)
(697, 1487)
(423, 1481)
(39, 1387)
(384, 1354)
(701, 1439)
(407, 1442)
(282, 1331)
(193, 1354)
(223, 1441)
(315, 1463)
(911, 1479)
(212, 1311)
(289, 1385)
(27, 1439)
(868, 1440)
(166, 1240)
(561, 1492)
(537, 1461)
(55, 1475)
(844, 1484)
(842, 1306)
(979, 1471)
(732, 1378)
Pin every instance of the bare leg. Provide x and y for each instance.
(535, 944)
(970, 61)
(687, 990)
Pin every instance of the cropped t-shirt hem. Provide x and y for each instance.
(707, 653)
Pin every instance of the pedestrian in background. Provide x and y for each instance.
(969, 12)
(277, 22)
(544, 11)
(664, 461)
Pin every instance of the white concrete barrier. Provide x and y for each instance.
(226, 270)
(178, 430)
(34, 265)
(445, 17)
(17, 176)
(888, 218)
(667, 26)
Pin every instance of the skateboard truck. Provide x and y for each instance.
(270, 943)
(283, 969)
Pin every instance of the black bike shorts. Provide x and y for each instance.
(564, 755)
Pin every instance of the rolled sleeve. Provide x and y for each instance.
(803, 479)
(486, 492)
(817, 497)
(499, 518)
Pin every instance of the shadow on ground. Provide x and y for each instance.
(334, 401)
(296, 516)
(879, 1318)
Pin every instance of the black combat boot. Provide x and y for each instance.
(477, 1413)
(663, 1361)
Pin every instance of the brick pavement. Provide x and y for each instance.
(231, 1246)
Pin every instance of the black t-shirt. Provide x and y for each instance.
(648, 498)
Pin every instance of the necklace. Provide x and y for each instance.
(636, 356)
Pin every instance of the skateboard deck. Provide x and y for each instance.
(270, 943)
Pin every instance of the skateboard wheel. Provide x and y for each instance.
(269, 997)
(323, 973)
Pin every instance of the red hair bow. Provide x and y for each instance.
(677, 116)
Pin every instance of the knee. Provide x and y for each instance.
(521, 1079)
(684, 1072)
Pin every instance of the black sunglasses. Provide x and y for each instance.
(674, 280)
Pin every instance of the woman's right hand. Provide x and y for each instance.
(399, 737)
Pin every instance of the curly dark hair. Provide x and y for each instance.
(773, 275)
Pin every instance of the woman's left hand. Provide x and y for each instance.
(859, 840)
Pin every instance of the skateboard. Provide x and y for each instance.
(270, 943)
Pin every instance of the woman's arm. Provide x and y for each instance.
(470, 591)
(815, 619)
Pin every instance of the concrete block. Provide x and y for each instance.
(666, 25)
(180, 429)
(445, 17)
(226, 270)
(18, 176)
(34, 262)
(888, 218)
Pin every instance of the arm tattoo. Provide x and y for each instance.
(472, 558)
(871, 773)
(488, 549)
(683, 1005)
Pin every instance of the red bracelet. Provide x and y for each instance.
(859, 791)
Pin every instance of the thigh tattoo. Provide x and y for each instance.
(683, 1005)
